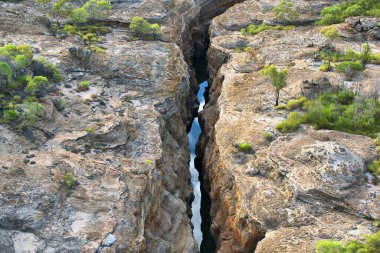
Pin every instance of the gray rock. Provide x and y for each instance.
(375, 33)
(110, 239)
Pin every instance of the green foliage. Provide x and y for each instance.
(5, 71)
(30, 113)
(291, 123)
(342, 111)
(19, 106)
(276, 77)
(10, 115)
(52, 72)
(56, 8)
(37, 86)
(21, 62)
(69, 180)
(244, 147)
(96, 49)
(370, 245)
(89, 130)
(285, 11)
(330, 32)
(350, 62)
(78, 16)
(90, 34)
(84, 85)
(143, 29)
(97, 9)
(268, 136)
(324, 67)
(296, 103)
(350, 68)
(338, 13)
(374, 168)
(256, 29)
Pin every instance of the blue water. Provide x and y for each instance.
(194, 135)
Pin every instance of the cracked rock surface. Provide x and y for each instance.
(284, 195)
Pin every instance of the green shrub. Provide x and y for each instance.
(143, 29)
(70, 29)
(374, 168)
(30, 113)
(276, 77)
(5, 71)
(324, 67)
(78, 16)
(296, 103)
(337, 13)
(11, 51)
(48, 70)
(291, 124)
(96, 49)
(342, 111)
(280, 107)
(90, 34)
(83, 86)
(89, 130)
(370, 245)
(285, 11)
(244, 147)
(10, 115)
(97, 9)
(256, 29)
(268, 136)
(30, 99)
(350, 69)
(330, 32)
(69, 180)
(60, 103)
(37, 86)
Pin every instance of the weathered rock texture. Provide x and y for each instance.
(302, 187)
(132, 178)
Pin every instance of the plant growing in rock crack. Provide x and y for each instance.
(83, 86)
(276, 77)
(285, 11)
(143, 29)
(244, 147)
(89, 130)
(68, 180)
(268, 136)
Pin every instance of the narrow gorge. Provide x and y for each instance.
(150, 126)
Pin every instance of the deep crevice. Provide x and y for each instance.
(199, 66)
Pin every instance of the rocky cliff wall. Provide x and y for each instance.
(284, 195)
(131, 171)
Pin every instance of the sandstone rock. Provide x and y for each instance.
(310, 185)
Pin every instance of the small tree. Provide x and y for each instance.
(331, 33)
(285, 11)
(79, 16)
(144, 29)
(56, 9)
(277, 78)
(97, 9)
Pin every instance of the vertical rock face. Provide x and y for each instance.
(131, 173)
(284, 195)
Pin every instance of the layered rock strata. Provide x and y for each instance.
(305, 186)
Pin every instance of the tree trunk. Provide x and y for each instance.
(277, 97)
